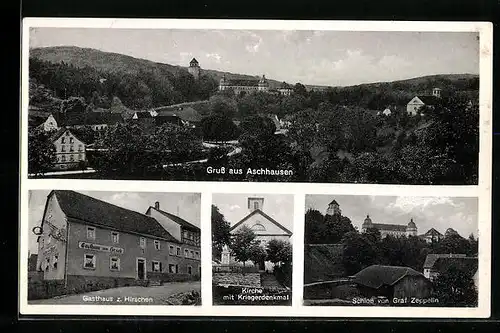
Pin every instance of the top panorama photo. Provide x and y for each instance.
(253, 105)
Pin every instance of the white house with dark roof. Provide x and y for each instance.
(86, 241)
(418, 102)
(69, 149)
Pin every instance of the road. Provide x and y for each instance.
(158, 295)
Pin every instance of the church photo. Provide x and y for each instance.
(391, 251)
(252, 249)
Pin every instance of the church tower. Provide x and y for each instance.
(255, 203)
(194, 68)
(333, 208)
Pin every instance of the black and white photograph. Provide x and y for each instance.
(113, 248)
(391, 251)
(315, 106)
(252, 249)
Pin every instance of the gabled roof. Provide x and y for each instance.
(258, 211)
(193, 61)
(428, 100)
(431, 258)
(389, 227)
(469, 265)
(84, 209)
(180, 221)
(376, 276)
(432, 232)
(334, 202)
(185, 113)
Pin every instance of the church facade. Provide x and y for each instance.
(264, 227)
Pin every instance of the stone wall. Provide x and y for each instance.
(236, 279)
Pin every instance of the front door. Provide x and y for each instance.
(141, 269)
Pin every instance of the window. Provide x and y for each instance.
(70, 140)
(67, 133)
(80, 157)
(190, 270)
(47, 264)
(80, 148)
(90, 233)
(62, 140)
(54, 261)
(114, 264)
(89, 261)
(70, 148)
(255, 205)
(115, 237)
(157, 244)
(156, 266)
(142, 242)
(171, 250)
(171, 268)
(191, 254)
(186, 253)
(63, 158)
(178, 251)
(63, 148)
(197, 255)
(71, 158)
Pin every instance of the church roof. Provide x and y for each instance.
(258, 211)
(376, 276)
(84, 209)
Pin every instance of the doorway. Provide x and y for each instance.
(141, 268)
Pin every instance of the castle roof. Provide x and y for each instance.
(376, 276)
(84, 209)
(389, 227)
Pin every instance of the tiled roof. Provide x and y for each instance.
(428, 100)
(185, 113)
(177, 219)
(389, 227)
(431, 258)
(376, 276)
(85, 209)
(432, 232)
(468, 265)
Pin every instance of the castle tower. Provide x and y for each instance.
(436, 92)
(411, 229)
(255, 203)
(333, 208)
(263, 84)
(194, 68)
(367, 224)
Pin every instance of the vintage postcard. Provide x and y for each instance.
(144, 141)
(391, 251)
(114, 248)
(252, 249)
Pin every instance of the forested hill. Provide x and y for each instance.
(119, 63)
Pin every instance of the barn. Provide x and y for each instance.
(392, 282)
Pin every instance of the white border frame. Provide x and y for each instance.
(482, 190)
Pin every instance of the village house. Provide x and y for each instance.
(85, 241)
(418, 102)
(42, 120)
(432, 236)
(396, 230)
(264, 227)
(69, 149)
(185, 233)
(392, 282)
(437, 263)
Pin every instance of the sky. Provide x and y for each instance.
(234, 207)
(185, 205)
(439, 213)
(332, 58)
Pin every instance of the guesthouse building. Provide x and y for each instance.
(85, 241)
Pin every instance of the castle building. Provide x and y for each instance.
(240, 85)
(396, 230)
(418, 102)
(333, 208)
(264, 226)
(194, 68)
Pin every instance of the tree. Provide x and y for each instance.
(279, 251)
(358, 253)
(220, 232)
(257, 254)
(455, 287)
(299, 89)
(258, 125)
(222, 106)
(41, 152)
(219, 128)
(241, 244)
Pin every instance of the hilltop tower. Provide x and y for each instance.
(333, 208)
(194, 68)
(411, 229)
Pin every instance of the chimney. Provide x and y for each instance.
(157, 205)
